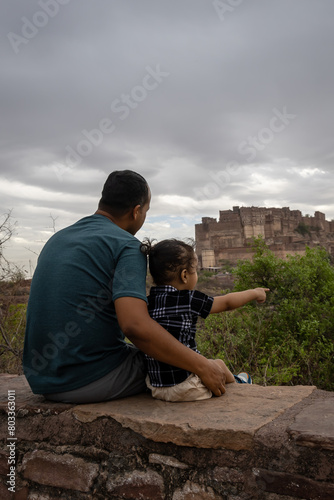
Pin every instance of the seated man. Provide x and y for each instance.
(88, 292)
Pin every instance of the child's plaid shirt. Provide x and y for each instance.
(177, 311)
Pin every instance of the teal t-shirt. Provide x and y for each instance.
(72, 334)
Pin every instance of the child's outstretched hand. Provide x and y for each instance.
(234, 300)
(261, 294)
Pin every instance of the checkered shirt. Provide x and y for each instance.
(177, 311)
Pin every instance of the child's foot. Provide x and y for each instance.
(243, 378)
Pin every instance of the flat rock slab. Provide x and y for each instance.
(314, 425)
(229, 422)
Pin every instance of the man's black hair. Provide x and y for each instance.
(122, 191)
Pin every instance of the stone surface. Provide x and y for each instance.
(314, 425)
(294, 485)
(4, 493)
(137, 485)
(274, 496)
(254, 434)
(227, 475)
(227, 422)
(20, 493)
(193, 491)
(63, 471)
(37, 495)
(4, 467)
(155, 458)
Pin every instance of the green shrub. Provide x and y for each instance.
(290, 338)
(12, 327)
(204, 275)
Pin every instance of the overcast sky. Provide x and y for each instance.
(215, 103)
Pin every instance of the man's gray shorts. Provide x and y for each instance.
(126, 380)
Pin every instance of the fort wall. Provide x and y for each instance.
(254, 442)
(285, 231)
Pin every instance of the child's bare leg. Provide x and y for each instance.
(229, 376)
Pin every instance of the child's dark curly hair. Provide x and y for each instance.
(168, 258)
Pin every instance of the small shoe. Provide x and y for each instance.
(243, 378)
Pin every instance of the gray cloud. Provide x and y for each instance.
(72, 68)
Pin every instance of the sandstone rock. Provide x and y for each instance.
(193, 491)
(314, 426)
(227, 475)
(137, 485)
(254, 433)
(226, 422)
(4, 467)
(155, 458)
(228, 237)
(63, 471)
(294, 485)
(4, 493)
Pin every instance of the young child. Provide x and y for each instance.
(175, 305)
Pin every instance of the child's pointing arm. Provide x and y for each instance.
(237, 299)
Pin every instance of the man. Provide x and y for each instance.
(88, 293)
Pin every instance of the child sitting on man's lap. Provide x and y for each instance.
(175, 305)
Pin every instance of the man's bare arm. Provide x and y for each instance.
(154, 340)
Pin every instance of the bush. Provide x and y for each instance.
(12, 327)
(204, 275)
(290, 338)
(12, 315)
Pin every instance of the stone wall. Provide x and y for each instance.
(285, 231)
(253, 443)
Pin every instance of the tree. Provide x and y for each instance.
(12, 316)
(300, 310)
(12, 313)
(303, 229)
(8, 270)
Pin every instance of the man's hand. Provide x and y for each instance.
(155, 341)
(213, 377)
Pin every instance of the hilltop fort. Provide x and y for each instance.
(285, 232)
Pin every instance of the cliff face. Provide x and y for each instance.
(285, 231)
